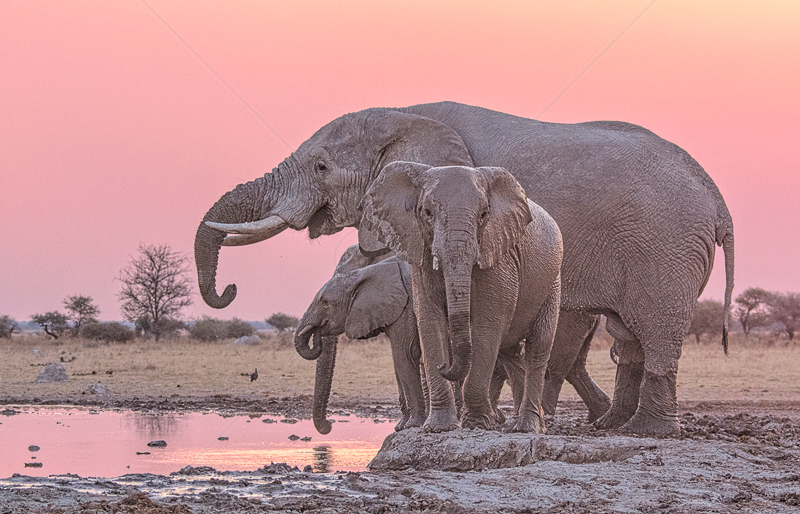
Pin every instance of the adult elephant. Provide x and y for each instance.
(639, 218)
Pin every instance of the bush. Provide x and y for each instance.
(167, 327)
(212, 329)
(282, 321)
(7, 326)
(107, 332)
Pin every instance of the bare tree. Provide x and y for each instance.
(54, 323)
(7, 326)
(707, 319)
(155, 286)
(282, 321)
(785, 309)
(80, 311)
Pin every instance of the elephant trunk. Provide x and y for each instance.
(322, 384)
(301, 340)
(246, 203)
(458, 284)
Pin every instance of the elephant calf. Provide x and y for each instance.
(367, 296)
(485, 265)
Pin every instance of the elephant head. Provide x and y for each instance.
(449, 219)
(319, 186)
(358, 303)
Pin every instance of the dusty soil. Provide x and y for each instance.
(739, 449)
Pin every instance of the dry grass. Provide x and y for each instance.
(759, 369)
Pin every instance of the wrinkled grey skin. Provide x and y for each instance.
(639, 217)
(485, 267)
(367, 296)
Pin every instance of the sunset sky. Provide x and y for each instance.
(114, 133)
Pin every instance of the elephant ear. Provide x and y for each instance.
(401, 136)
(379, 299)
(509, 215)
(389, 210)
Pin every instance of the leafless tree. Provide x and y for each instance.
(155, 286)
(80, 311)
(785, 309)
(752, 310)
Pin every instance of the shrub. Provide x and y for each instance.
(237, 328)
(167, 327)
(7, 326)
(282, 321)
(212, 329)
(107, 332)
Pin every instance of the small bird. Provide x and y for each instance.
(254, 375)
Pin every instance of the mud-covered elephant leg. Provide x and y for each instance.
(630, 370)
(406, 355)
(433, 331)
(592, 395)
(508, 368)
(575, 331)
(538, 345)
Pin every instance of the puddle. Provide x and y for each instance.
(105, 443)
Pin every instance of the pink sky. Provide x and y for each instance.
(112, 133)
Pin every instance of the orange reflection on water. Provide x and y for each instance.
(105, 443)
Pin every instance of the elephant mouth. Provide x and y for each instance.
(322, 223)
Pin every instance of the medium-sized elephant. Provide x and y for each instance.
(367, 296)
(485, 266)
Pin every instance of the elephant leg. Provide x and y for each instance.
(406, 356)
(574, 332)
(538, 345)
(433, 335)
(657, 413)
(499, 378)
(592, 395)
(626, 385)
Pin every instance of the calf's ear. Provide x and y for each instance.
(379, 299)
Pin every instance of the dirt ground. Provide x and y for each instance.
(739, 449)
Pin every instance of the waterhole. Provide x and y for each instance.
(114, 443)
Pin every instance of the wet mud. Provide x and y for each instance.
(728, 458)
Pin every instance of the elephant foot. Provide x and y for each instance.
(529, 422)
(410, 422)
(500, 416)
(646, 425)
(597, 412)
(440, 421)
(481, 422)
(612, 419)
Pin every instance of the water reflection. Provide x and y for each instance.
(152, 425)
(114, 443)
(322, 458)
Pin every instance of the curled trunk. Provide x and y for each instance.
(301, 342)
(248, 202)
(322, 384)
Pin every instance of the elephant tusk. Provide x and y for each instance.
(248, 239)
(305, 330)
(271, 225)
(435, 263)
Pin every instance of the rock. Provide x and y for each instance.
(248, 340)
(290, 421)
(306, 438)
(308, 469)
(33, 448)
(280, 468)
(157, 444)
(222, 438)
(294, 437)
(191, 470)
(33, 464)
(97, 388)
(53, 372)
(466, 450)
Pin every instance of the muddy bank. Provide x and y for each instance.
(719, 463)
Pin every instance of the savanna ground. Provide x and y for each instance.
(739, 450)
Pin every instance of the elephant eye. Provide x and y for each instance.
(484, 215)
(427, 212)
(321, 167)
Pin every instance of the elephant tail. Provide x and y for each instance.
(725, 238)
